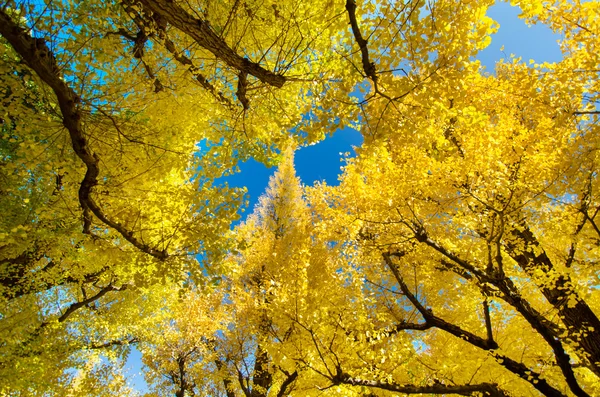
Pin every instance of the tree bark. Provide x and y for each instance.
(580, 320)
(200, 30)
(36, 54)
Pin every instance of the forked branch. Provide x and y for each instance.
(367, 64)
(486, 344)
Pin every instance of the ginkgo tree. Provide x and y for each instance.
(469, 215)
(456, 257)
(116, 121)
(460, 247)
(250, 306)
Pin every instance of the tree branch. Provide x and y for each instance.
(289, 380)
(490, 345)
(577, 316)
(487, 389)
(431, 319)
(36, 54)
(194, 70)
(580, 113)
(78, 305)
(488, 321)
(227, 382)
(200, 30)
(261, 376)
(118, 342)
(368, 66)
(72, 309)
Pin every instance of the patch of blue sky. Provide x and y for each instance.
(515, 37)
(315, 163)
(134, 371)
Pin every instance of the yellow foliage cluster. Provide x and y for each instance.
(457, 256)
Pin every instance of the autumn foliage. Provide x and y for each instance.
(459, 254)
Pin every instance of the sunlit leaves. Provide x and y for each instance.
(460, 247)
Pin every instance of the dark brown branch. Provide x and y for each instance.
(123, 33)
(261, 376)
(484, 278)
(36, 54)
(139, 43)
(490, 345)
(181, 377)
(570, 256)
(227, 382)
(593, 223)
(395, 329)
(242, 382)
(488, 321)
(467, 270)
(241, 90)
(158, 86)
(510, 294)
(157, 24)
(118, 342)
(194, 70)
(368, 66)
(25, 286)
(287, 383)
(182, 381)
(78, 305)
(72, 309)
(448, 266)
(580, 113)
(577, 316)
(487, 389)
(449, 133)
(513, 366)
(422, 237)
(432, 320)
(534, 319)
(200, 30)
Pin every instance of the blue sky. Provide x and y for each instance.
(322, 162)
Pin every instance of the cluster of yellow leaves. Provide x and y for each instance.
(158, 151)
(459, 250)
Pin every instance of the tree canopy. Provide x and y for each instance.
(459, 254)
